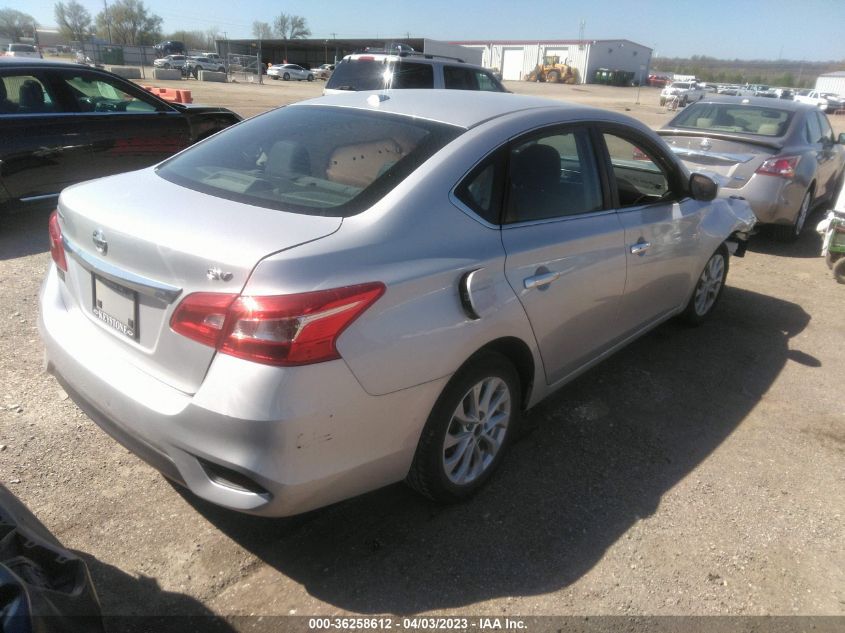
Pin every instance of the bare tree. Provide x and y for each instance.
(211, 36)
(16, 24)
(129, 23)
(291, 27)
(74, 20)
(262, 30)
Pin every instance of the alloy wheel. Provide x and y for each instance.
(709, 284)
(476, 430)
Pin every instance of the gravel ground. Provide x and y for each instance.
(697, 472)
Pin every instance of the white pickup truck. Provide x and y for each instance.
(813, 97)
(684, 91)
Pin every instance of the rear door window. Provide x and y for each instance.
(552, 175)
(26, 94)
(462, 78)
(411, 75)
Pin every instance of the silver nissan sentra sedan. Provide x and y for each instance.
(370, 287)
(781, 156)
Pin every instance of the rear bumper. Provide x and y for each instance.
(258, 439)
(774, 200)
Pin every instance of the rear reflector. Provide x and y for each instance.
(283, 330)
(57, 249)
(783, 166)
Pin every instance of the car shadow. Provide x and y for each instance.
(603, 452)
(140, 605)
(24, 233)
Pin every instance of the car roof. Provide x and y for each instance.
(41, 63)
(423, 58)
(462, 108)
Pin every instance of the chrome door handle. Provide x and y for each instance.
(540, 280)
(640, 248)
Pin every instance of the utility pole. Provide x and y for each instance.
(108, 19)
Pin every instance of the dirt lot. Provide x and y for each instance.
(698, 472)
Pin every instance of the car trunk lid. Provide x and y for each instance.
(139, 244)
(736, 161)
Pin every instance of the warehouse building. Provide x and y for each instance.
(515, 59)
(832, 82)
(310, 53)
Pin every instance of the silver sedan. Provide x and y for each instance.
(371, 287)
(290, 71)
(781, 156)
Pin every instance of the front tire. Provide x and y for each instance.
(790, 233)
(708, 288)
(310, 77)
(468, 430)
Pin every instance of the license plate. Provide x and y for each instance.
(116, 306)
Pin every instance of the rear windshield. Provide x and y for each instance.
(734, 118)
(21, 48)
(362, 74)
(313, 160)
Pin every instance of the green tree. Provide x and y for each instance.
(74, 21)
(16, 24)
(129, 22)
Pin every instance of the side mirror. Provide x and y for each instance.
(841, 139)
(703, 187)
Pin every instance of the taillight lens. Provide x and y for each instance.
(783, 166)
(284, 330)
(57, 249)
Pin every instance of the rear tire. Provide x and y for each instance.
(839, 270)
(286, 77)
(310, 77)
(790, 233)
(708, 288)
(468, 431)
(553, 77)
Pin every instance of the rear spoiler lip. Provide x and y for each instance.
(751, 139)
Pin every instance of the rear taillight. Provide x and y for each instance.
(284, 330)
(57, 249)
(783, 166)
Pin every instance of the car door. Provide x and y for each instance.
(661, 227)
(828, 155)
(42, 149)
(128, 128)
(565, 257)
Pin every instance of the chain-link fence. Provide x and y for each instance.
(243, 67)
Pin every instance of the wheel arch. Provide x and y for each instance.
(519, 354)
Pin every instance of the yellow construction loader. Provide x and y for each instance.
(553, 71)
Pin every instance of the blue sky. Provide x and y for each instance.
(748, 29)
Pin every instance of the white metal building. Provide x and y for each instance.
(516, 58)
(832, 82)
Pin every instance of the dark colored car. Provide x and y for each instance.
(64, 123)
(170, 47)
